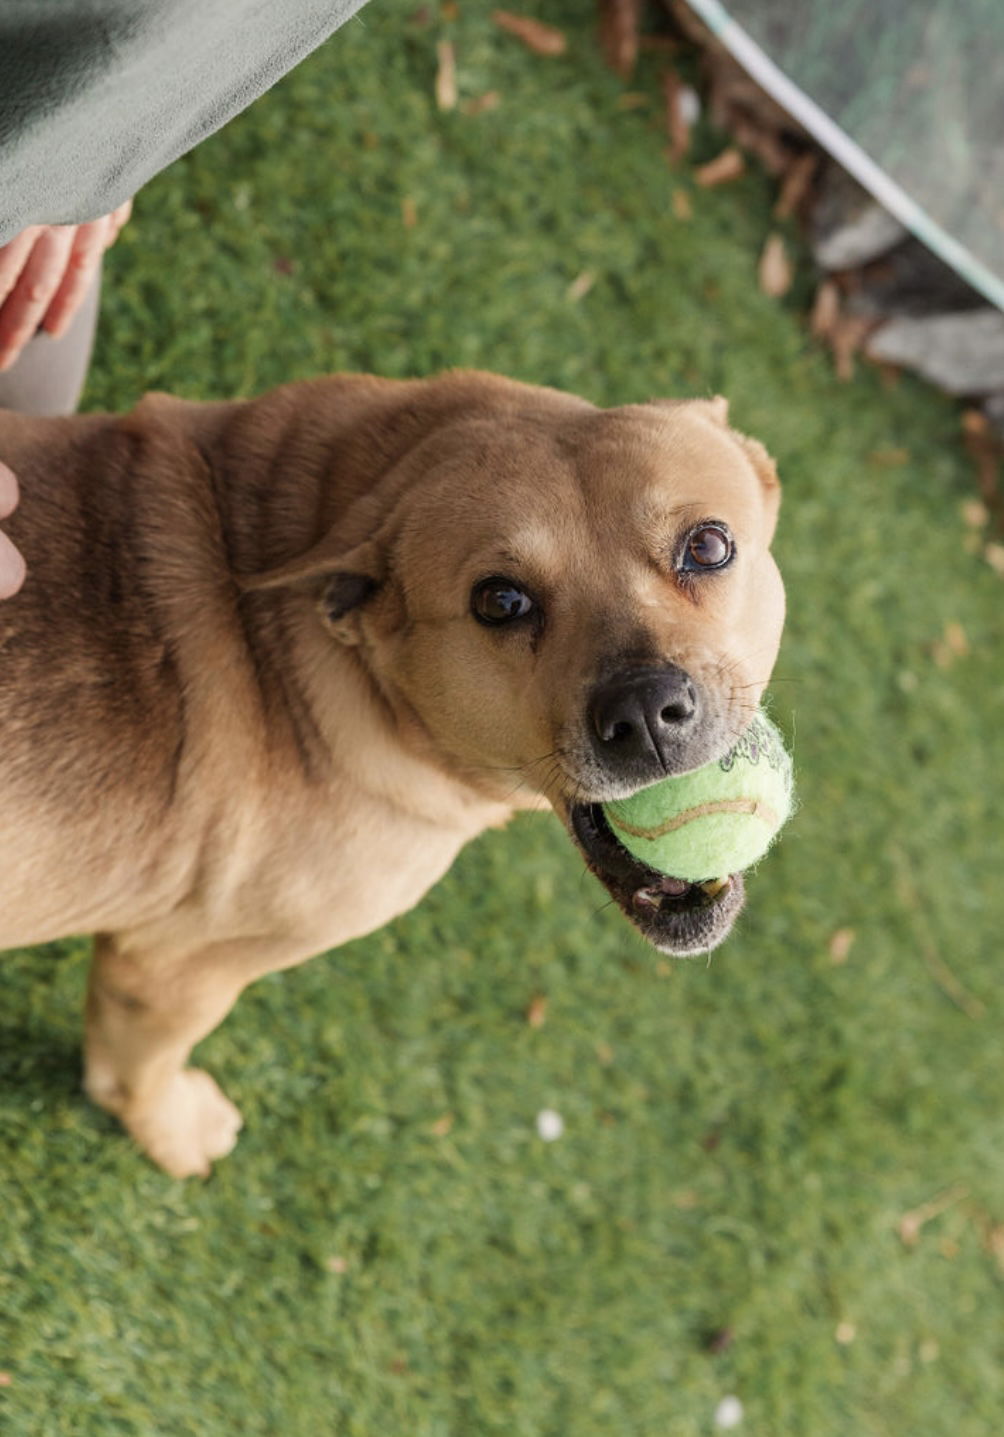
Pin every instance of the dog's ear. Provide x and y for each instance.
(766, 472)
(716, 409)
(340, 579)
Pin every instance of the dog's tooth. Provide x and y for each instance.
(647, 899)
(714, 886)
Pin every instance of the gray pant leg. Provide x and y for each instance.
(49, 375)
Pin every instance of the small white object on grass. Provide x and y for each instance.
(729, 1412)
(550, 1125)
(688, 103)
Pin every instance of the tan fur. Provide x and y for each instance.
(210, 765)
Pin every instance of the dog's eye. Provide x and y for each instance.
(499, 601)
(709, 546)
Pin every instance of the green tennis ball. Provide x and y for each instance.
(715, 821)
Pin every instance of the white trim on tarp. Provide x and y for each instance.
(846, 151)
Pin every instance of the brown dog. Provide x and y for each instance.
(275, 662)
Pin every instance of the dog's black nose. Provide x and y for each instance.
(644, 718)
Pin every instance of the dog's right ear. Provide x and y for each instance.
(341, 580)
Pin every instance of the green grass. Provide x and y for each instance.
(742, 1136)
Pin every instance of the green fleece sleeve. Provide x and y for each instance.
(96, 96)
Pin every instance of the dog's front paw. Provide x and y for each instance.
(188, 1125)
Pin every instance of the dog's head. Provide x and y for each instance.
(569, 603)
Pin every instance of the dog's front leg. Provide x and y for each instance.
(144, 1016)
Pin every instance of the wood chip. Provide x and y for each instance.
(775, 272)
(446, 76)
(724, 168)
(541, 39)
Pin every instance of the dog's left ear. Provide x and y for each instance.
(766, 472)
(341, 580)
(716, 409)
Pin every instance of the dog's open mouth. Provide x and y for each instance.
(677, 917)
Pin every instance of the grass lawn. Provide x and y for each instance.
(392, 1251)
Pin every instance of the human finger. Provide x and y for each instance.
(8, 491)
(11, 562)
(12, 257)
(33, 290)
(89, 244)
(116, 220)
(12, 568)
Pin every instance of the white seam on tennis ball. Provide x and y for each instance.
(755, 807)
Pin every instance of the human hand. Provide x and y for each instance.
(45, 271)
(11, 563)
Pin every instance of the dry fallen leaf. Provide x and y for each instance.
(994, 555)
(442, 1126)
(536, 1013)
(975, 514)
(541, 39)
(727, 166)
(409, 213)
(986, 450)
(581, 286)
(911, 1223)
(955, 639)
(482, 104)
(954, 642)
(619, 23)
(337, 1265)
(846, 338)
(683, 207)
(995, 1244)
(825, 309)
(841, 944)
(845, 1333)
(890, 458)
(446, 76)
(775, 273)
(795, 185)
